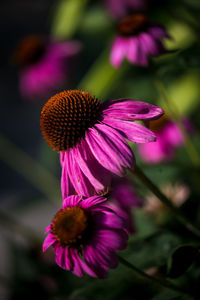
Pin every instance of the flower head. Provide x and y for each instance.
(44, 64)
(91, 137)
(85, 234)
(137, 40)
(169, 137)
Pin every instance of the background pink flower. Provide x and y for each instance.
(137, 40)
(91, 138)
(44, 65)
(124, 195)
(169, 137)
(85, 235)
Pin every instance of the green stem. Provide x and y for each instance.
(161, 282)
(173, 112)
(25, 165)
(155, 190)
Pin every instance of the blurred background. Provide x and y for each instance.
(76, 37)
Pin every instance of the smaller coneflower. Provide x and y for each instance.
(85, 235)
(169, 138)
(44, 65)
(137, 40)
(91, 137)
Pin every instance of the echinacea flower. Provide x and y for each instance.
(121, 8)
(169, 138)
(138, 39)
(44, 65)
(91, 137)
(124, 195)
(85, 235)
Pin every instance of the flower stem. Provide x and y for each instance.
(162, 282)
(156, 191)
(25, 165)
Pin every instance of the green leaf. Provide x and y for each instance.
(181, 259)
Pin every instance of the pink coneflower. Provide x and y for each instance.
(124, 195)
(85, 234)
(137, 40)
(121, 8)
(169, 138)
(44, 65)
(91, 137)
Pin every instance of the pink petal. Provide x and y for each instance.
(79, 180)
(92, 260)
(158, 32)
(72, 201)
(60, 256)
(77, 268)
(96, 173)
(110, 220)
(49, 241)
(118, 51)
(132, 131)
(148, 44)
(92, 201)
(112, 239)
(66, 184)
(110, 149)
(133, 50)
(130, 109)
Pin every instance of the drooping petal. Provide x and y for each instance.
(93, 170)
(72, 201)
(148, 44)
(66, 184)
(107, 256)
(92, 201)
(81, 265)
(110, 149)
(133, 50)
(114, 239)
(132, 131)
(80, 182)
(158, 32)
(60, 256)
(91, 259)
(109, 220)
(49, 241)
(118, 51)
(130, 109)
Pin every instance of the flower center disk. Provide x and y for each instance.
(30, 50)
(132, 25)
(67, 116)
(69, 225)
